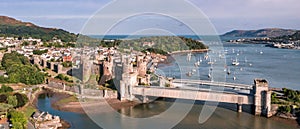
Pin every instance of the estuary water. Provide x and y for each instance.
(280, 67)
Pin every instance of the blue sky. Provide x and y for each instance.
(225, 15)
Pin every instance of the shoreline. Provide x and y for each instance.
(188, 51)
(34, 101)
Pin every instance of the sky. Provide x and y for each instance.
(225, 15)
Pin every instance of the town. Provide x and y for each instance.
(270, 42)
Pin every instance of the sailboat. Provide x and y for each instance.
(228, 71)
(235, 62)
(234, 77)
(197, 64)
(188, 57)
(209, 74)
(206, 56)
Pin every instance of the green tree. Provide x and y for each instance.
(18, 119)
(6, 89)
(12, 100)
(21, 99)
(25, 43)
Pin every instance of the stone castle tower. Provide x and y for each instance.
(125, 78)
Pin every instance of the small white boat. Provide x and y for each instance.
(235, 62)
(261, 52)
(194, 70)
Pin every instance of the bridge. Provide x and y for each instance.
(126, 81)
(203, 95)
(259, 96)
(178, 82)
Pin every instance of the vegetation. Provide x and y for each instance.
(39, 52)
(14, 58)
(20, 70)
(22, 99)
(162, 44)
(18, 119)
(64, 78)
(110, 44)
(293, 37)
(287, 101)
(45, 34)
(59, 45)
(291, 95)
(71, 98)
(9, 101)
(29, 110)
(154, 50)
(12, 100)
(4, 107)
(6, 89)
(284, 109)
(25, 43)
(67, 64)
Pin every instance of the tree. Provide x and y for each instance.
(6, 89)
(12, 100)
(25, 43)
(3, 98)
(21, 99)
(39, 52)
(18, 119)
(19, 69)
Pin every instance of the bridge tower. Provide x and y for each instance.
(262, 98)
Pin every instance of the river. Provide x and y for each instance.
(279, 66)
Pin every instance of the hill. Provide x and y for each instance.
(15, 28)
(162, 44)
(269, 32)
(293, 37)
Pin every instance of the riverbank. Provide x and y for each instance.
(65, 102)
(34, 101)
(190, 51)
(70, 103)
(291, 122)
